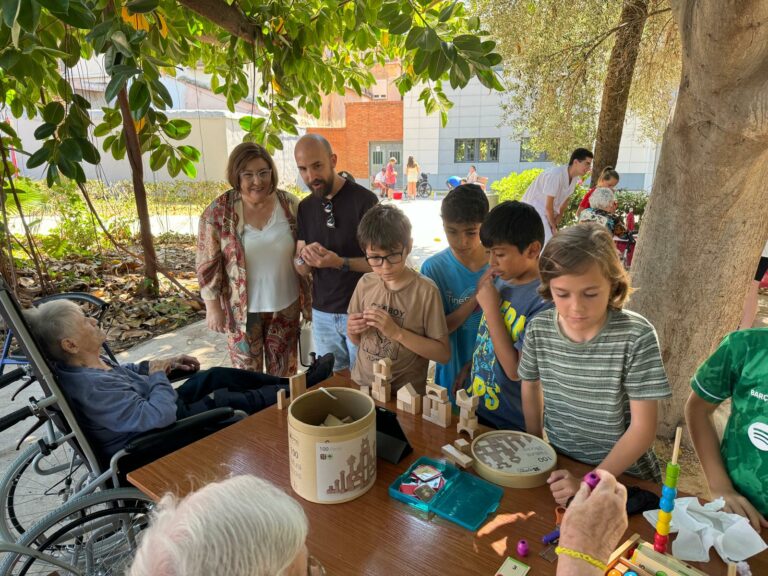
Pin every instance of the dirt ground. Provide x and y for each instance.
(691, 475)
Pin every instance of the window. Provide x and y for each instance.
(476, 150)
(394, 154)
(528, 155)
(378, 157)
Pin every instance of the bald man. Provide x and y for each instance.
(327, 245)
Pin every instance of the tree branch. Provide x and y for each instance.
(229, 17)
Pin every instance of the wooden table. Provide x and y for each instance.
(376, 534)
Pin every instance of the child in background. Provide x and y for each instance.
(508, 294)
(609, 178)
(456, 271)
(395, 312)
(737, 470)
(599, 366)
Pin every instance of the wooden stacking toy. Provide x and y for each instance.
(668, 494)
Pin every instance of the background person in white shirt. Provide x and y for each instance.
(549, 192)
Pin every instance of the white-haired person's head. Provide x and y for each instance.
(54, 322)
(603, 199)
(242, 526)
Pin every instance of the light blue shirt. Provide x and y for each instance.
(457, 284)
(113, 406)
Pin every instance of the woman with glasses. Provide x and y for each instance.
(245, 266)
(242, 526)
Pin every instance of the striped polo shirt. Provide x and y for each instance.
(588, 385)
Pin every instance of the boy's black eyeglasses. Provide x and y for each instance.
(393, 258)
(330, 221)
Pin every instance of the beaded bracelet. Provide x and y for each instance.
(581, 556)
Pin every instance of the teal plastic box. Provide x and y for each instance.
(465, 499)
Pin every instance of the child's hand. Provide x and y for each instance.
(382, 321)
(563, 486)
(487, 295)
(738, 504)
(356, 324)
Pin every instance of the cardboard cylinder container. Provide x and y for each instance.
(332, 464)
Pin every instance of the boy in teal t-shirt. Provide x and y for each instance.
(737, 470)
(456, 271)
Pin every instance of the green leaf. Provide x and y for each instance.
(45, 130)
(29, 15)
(252, 123)
(53, 113)
(89, 151)
(274, 142)
(71, 151)
(414, 38)
(121, 43)
(447, 12)
(52, 176)
(438, 64)
(136, 6)
(421, 62)
(468, 43)
(139, 99)
(8, 129)
(400, 24)
(188, 167)
(460, 73)
(177, 129)
(160, 90)
(71, 47)
(173, 167)
(102, 130)
(79, 16)
(190, 152)
(55, 6)
(116, 84)
(10, 10)
(473, 23)
(39, 158)
(158, 158)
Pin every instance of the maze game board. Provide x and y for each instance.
(513, 459)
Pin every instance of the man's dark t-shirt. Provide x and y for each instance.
(331, 288)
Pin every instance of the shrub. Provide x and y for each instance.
(513, 187)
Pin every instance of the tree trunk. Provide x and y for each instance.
(618, 80)
(133, 150)
(707, 219)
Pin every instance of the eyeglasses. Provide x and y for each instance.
(393, 258)
(314, 568)
(263, 175)
(330, 220)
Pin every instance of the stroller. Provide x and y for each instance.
(626, 241)
(423, 187)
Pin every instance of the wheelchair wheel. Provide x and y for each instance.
(35, 484)
(95, 535)
(424, 190)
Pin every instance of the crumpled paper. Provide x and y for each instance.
(699, 527)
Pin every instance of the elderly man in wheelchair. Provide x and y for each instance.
(115, 403)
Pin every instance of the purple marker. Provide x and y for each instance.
(592, 480)
(522, 548)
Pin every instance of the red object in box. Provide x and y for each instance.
(397, 195)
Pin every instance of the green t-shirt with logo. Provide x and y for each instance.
(739, 370)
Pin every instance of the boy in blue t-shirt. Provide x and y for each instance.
(508, 295)
(456, 271)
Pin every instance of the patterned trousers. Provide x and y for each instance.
(270, 336)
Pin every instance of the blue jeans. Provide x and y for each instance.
(329, 334)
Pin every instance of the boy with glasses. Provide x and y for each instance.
(395, 312)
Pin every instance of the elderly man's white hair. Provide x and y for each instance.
(243, 526)
(53, 321)
(602, 199)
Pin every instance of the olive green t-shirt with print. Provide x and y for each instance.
(739, 370)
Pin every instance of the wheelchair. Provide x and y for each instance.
(423, 187)
(94, 522)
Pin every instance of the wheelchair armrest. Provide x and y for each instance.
(178, 430)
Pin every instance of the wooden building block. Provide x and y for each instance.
(386, 367)
(462, 446)
(465, 401)
(282, 399)
(437, 392)
(454, 455)
(437, 412)
(297, 385)
(408, 400)
(381, 393)
(365, 390)
(468, 425)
